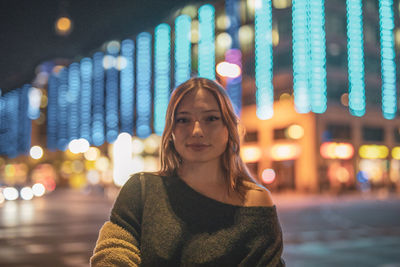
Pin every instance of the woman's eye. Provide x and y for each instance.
(181, 120)
(213, 118)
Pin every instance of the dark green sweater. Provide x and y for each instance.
(177, 226)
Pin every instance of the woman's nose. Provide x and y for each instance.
(197, 130)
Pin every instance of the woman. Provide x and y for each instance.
(202, 207)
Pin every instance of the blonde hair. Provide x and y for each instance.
(233, 167)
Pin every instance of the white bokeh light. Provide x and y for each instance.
(122, 154)
(10, 193)
(38, 189)
(36, 152)
(26, 193)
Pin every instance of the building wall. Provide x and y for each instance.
(305, 165)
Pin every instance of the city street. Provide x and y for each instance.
(61, 229)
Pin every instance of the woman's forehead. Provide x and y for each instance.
(200, 99)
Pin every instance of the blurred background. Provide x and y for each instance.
(84, 88)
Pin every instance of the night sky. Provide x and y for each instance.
(27, 35)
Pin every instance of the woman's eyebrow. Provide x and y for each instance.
(203, 111)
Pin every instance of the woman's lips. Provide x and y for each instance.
(197, 147)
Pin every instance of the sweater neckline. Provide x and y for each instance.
(220, 203)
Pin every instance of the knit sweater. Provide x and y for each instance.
(161, 221)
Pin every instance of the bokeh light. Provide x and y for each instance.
(26, 193)
(36, 152)
(228, 70)
(295, 131)
(63, 26)
(10, 193)
(38, 189)
(268, 176)
(92, 153)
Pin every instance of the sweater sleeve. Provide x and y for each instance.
(267, 246)
(115, 247)
(119, 239)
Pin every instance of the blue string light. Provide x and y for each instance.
(127, 97)
(206, 55)
(234, 55)
(11, 123)
(98, 100)
(62, 111)
(73, 98)
(318, 56)
(234, 85)
(388, 65)
(143, 78)
(263, 59)
(2, 124)
(86, 98)
(24, 128)
(52, 127)
(162, 50)
(182, 49)
(232, 9)
(111, 95)
(355, 56)
(301, 55)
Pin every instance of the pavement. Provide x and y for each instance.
(348, 230)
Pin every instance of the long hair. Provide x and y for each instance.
(234, 169)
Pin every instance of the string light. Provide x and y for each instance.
(206, 55)
(143, 98)
(263, 59)
(86, 98)
(301, 55)
(52, 112)
(127, 97)
(62, 110)
(24, 128)
(162, 48)
(182, 49)
(355, 57)
(388, 65)
(112, 95)
(234, 55)
(73, 97)
(98, 100)
(318, 55)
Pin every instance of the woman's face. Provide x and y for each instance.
(199, 133)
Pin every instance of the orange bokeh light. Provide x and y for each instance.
(332, 150)
(281, 152)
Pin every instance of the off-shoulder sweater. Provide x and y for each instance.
(162, 221)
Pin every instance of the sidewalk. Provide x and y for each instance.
(288, 200)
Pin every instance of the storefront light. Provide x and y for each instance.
(281, 152)
(251, 153)
(373, 151)
(396, 152)
(332, 150)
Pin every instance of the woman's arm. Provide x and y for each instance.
(118, 243)
(115, 247)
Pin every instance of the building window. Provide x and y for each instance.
(397, 135)
(253, 168)
(280, 133)
(373, 134)
(338, 131)
(251, 136)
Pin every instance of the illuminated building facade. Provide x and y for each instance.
(305, 77)
(347, 142)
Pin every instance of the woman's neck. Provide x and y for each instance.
(200, 173)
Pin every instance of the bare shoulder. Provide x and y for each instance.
(258, 196)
